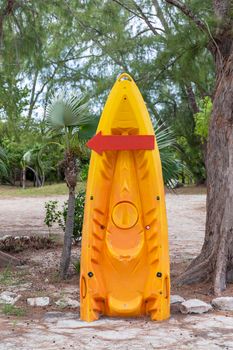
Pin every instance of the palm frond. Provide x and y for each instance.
(88, 130)
(4, 171)
(67, 111)
(4, 168)
(164, 136)
(172, 167)
(27, 157)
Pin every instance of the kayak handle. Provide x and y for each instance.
(125, 76)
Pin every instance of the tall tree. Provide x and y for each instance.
(135, 38)
(216, 257)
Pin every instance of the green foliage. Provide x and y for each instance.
(202, 118)
(54, 215)
(67, 111)
(53, 46)
(76, 266)
(192, 155)
(84, 172)
(68, 117)
(11, 310)
(4, 167)
(173, 169)
(6, 277)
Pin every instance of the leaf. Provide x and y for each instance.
(64, 112)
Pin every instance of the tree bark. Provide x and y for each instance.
(217, 251)
(24, 178)
(71, 180)
(32, 102)
(66, 252)
(192, 99)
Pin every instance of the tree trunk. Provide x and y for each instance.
(71, 180)
(24, 178)
(216, 258)
(66, 252)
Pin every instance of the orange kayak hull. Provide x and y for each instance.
(124, 257)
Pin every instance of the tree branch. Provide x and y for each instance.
(189, 13)
(127, 8)
(140, 14)
(146, 19)
(160, 16)
(31, 104)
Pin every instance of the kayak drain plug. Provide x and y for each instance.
(90, 274)
(159, 274)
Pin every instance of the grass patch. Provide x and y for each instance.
(10, 278)
(6, 277)
(45, 191)
(76, 266)
(12, 310)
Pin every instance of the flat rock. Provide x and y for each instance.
(5, 237)
(54, 316)
(9, 298)
(24, 286)
(176, 299)
(38, 301)
(67, 302)
(194, 306)
(223, 303)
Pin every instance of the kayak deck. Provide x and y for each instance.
(124, 261)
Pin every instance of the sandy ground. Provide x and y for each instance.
(186, 217)
(52, 328)
(24, 216)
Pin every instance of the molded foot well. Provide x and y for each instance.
(130, 307)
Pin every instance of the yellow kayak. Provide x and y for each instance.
(124, 258)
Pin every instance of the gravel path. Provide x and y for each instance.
(57, 331)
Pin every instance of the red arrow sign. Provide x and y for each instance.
(100, 143)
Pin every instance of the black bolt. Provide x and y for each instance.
(91, 198)
(90, 274)
(159, 274)
(158, 198)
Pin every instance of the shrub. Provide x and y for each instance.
(84, 172)
(54, 215)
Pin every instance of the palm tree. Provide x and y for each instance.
(32, 160)
(68, 117)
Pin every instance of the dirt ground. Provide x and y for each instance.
(56, 327)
